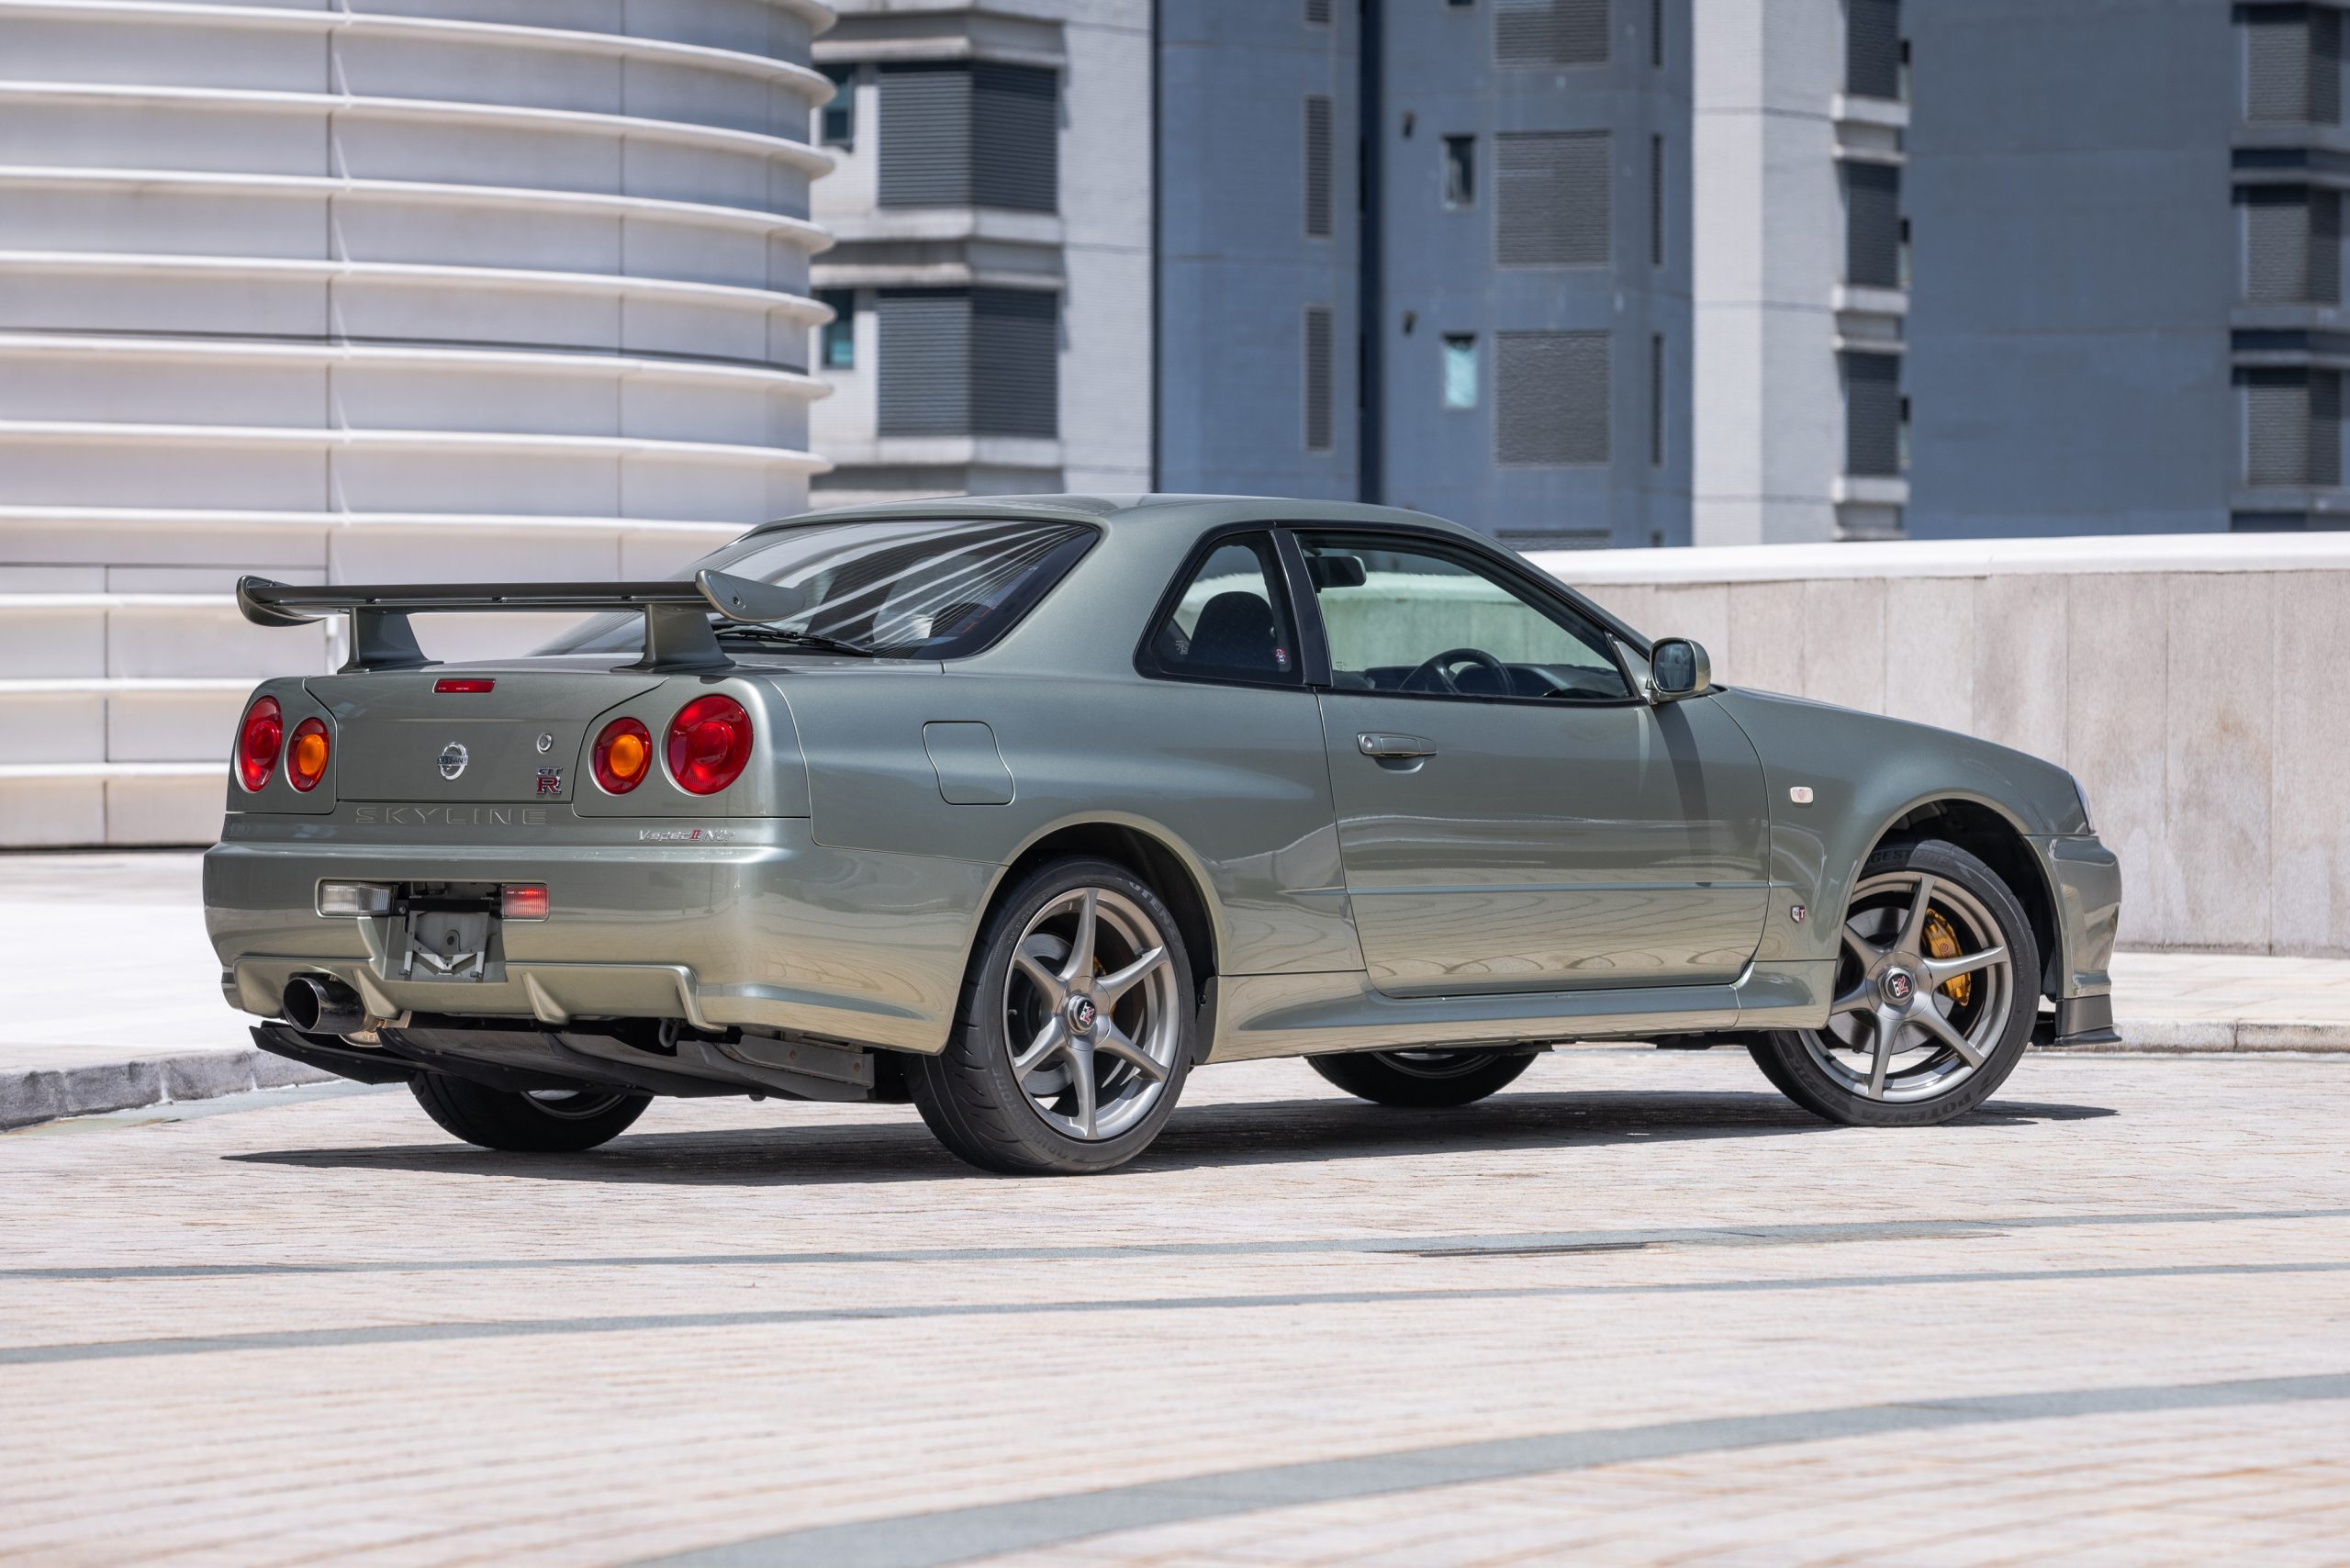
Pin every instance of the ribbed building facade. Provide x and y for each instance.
(465, 288)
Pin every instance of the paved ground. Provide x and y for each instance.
(1638, 1310)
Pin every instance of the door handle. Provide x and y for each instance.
(1392, 747)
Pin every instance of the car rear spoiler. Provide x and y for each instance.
(677, 631)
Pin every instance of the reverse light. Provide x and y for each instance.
(258, 737)
(624, 756)
(710, 742)
(465, 683)
(522, 901)
(306, 758)
(355, 898)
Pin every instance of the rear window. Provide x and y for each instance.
(914, 589)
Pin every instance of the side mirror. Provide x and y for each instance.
(1677, 668)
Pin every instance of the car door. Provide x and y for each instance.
(1512, 815)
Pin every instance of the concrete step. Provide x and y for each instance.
(72, 805)
(93, 719)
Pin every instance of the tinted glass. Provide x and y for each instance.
(899, 589)
(1231, 621)
(1420, 618)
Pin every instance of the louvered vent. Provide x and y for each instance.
(2277, 245)
(1550, 32)
(925, 372)
(1873, 48)
(1318, 347)
(2279, 427)
(2325, 427)
(1317, 166)
(1552, 398)
(2277, 65)
(1317, 12)
(2326, 65)
(970, 135)
(2325, 247)
(1871, 415)
(1656, 201)
(1552, 195)
(1873, 225)
(970, 362)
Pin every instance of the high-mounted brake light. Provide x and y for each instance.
(465, 683)
(623, 756)
(306, 758)
(258, 737)
(710, 742)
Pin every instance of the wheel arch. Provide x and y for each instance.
(1146, 851)
(1992, 834)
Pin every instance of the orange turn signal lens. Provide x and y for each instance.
(622, 757)
(306, 758)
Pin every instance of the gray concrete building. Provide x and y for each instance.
(992, 277)
(1434, 252)
(481, 288)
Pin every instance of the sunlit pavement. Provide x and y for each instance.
(1637, 1310)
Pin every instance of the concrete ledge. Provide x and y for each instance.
(2201, 1035)
(41, 1094)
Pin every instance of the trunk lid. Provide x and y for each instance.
(399, 739)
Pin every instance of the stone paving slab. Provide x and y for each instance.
(326, 1332)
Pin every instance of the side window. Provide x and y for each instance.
(1424, 619)
(1230, 620)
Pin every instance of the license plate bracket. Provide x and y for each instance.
(454, 942)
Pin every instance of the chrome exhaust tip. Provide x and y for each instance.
(320, 1005)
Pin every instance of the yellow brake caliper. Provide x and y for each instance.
(1942, 942)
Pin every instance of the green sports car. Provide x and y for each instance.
(1022, 808)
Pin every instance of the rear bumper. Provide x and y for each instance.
(747, 923)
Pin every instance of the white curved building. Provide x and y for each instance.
(437, 288)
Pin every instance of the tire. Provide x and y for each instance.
(1117, 1021)
(1423, 1080)
(1964, 952)
(543, 1123)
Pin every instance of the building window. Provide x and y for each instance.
(969, 361)
(1550, 400)
(2292, 64)
(1656, 201)
(1459, 370)
(971, 134)
(1656, 399)
(1872, 225)
(1460, 172)
(838, 126)
(1873, 48)
(1317, 166)
(2292, 427)
(2291, 244)
(1871, 415)
(1551, 198)
(839, 344)
(1319, 431)
(1550, 32)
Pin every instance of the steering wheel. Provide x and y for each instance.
(1439, 669)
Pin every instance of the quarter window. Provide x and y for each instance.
(1423, 619)
(1230, 622)
(839, 124)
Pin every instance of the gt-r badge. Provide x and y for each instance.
(453, 757)
(549, 780)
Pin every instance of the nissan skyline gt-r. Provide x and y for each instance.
(1022, 808)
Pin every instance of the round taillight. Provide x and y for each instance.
(306, 758)
(623, 756)
(710, 742)
(258, 736)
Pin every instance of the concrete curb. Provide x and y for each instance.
(2226, 1036)
(44, 1094)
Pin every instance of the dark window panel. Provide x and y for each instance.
(1873, 48)
(1319, 431)
(1873, 415)
(1015, 363)
(1017, 135)
(1873, 225)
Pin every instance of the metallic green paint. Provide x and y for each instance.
(1552, 872)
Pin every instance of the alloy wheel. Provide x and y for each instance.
(1090, 1014)
(1924, 989)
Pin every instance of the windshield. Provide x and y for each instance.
(920, 589)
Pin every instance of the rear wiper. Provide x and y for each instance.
(815, 641)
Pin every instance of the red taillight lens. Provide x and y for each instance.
(465, 683)
(525, 900)
(623, 756)
(257, 741)
(306, 759)
(710, 742)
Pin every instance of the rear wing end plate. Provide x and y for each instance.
(678, 633)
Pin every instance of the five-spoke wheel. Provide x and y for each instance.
(1937, 983)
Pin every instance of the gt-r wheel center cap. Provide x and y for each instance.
(1899, 987)
(1084, 1015)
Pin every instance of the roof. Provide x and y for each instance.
(1199, 508)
